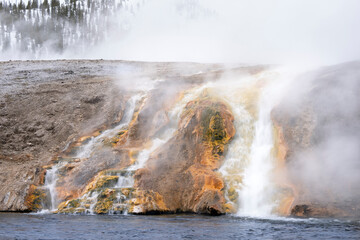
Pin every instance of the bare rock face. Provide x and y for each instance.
(318, 127)
(182, 171)
(40, 113)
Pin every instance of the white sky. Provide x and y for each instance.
(247, 31)
(272, 31)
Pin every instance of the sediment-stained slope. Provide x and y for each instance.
(49, 107)
(182, 171)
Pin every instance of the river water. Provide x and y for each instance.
(56, 226)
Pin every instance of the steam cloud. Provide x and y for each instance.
(325, 158)
(258, 31)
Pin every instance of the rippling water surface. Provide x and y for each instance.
(49, 226)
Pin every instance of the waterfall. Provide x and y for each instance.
(85, 152)
(238, 152)
(249, 162)
(256, 195)
(50, 187)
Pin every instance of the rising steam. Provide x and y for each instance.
(325, 159)
(259, 31)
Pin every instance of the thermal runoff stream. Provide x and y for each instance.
(143, 119)
(247, 167)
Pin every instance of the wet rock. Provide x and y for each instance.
(183, 171)
(301, 211)
(36, 199)
(87, 174)
(147, 201)
(105, 201)
(318, 210)
(106, 181)
(211, 202)
(101, 196)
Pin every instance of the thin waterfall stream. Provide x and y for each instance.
(50, 186)
(246, 169)
(123, 186)
(85, 151)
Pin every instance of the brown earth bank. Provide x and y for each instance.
(47, 107)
